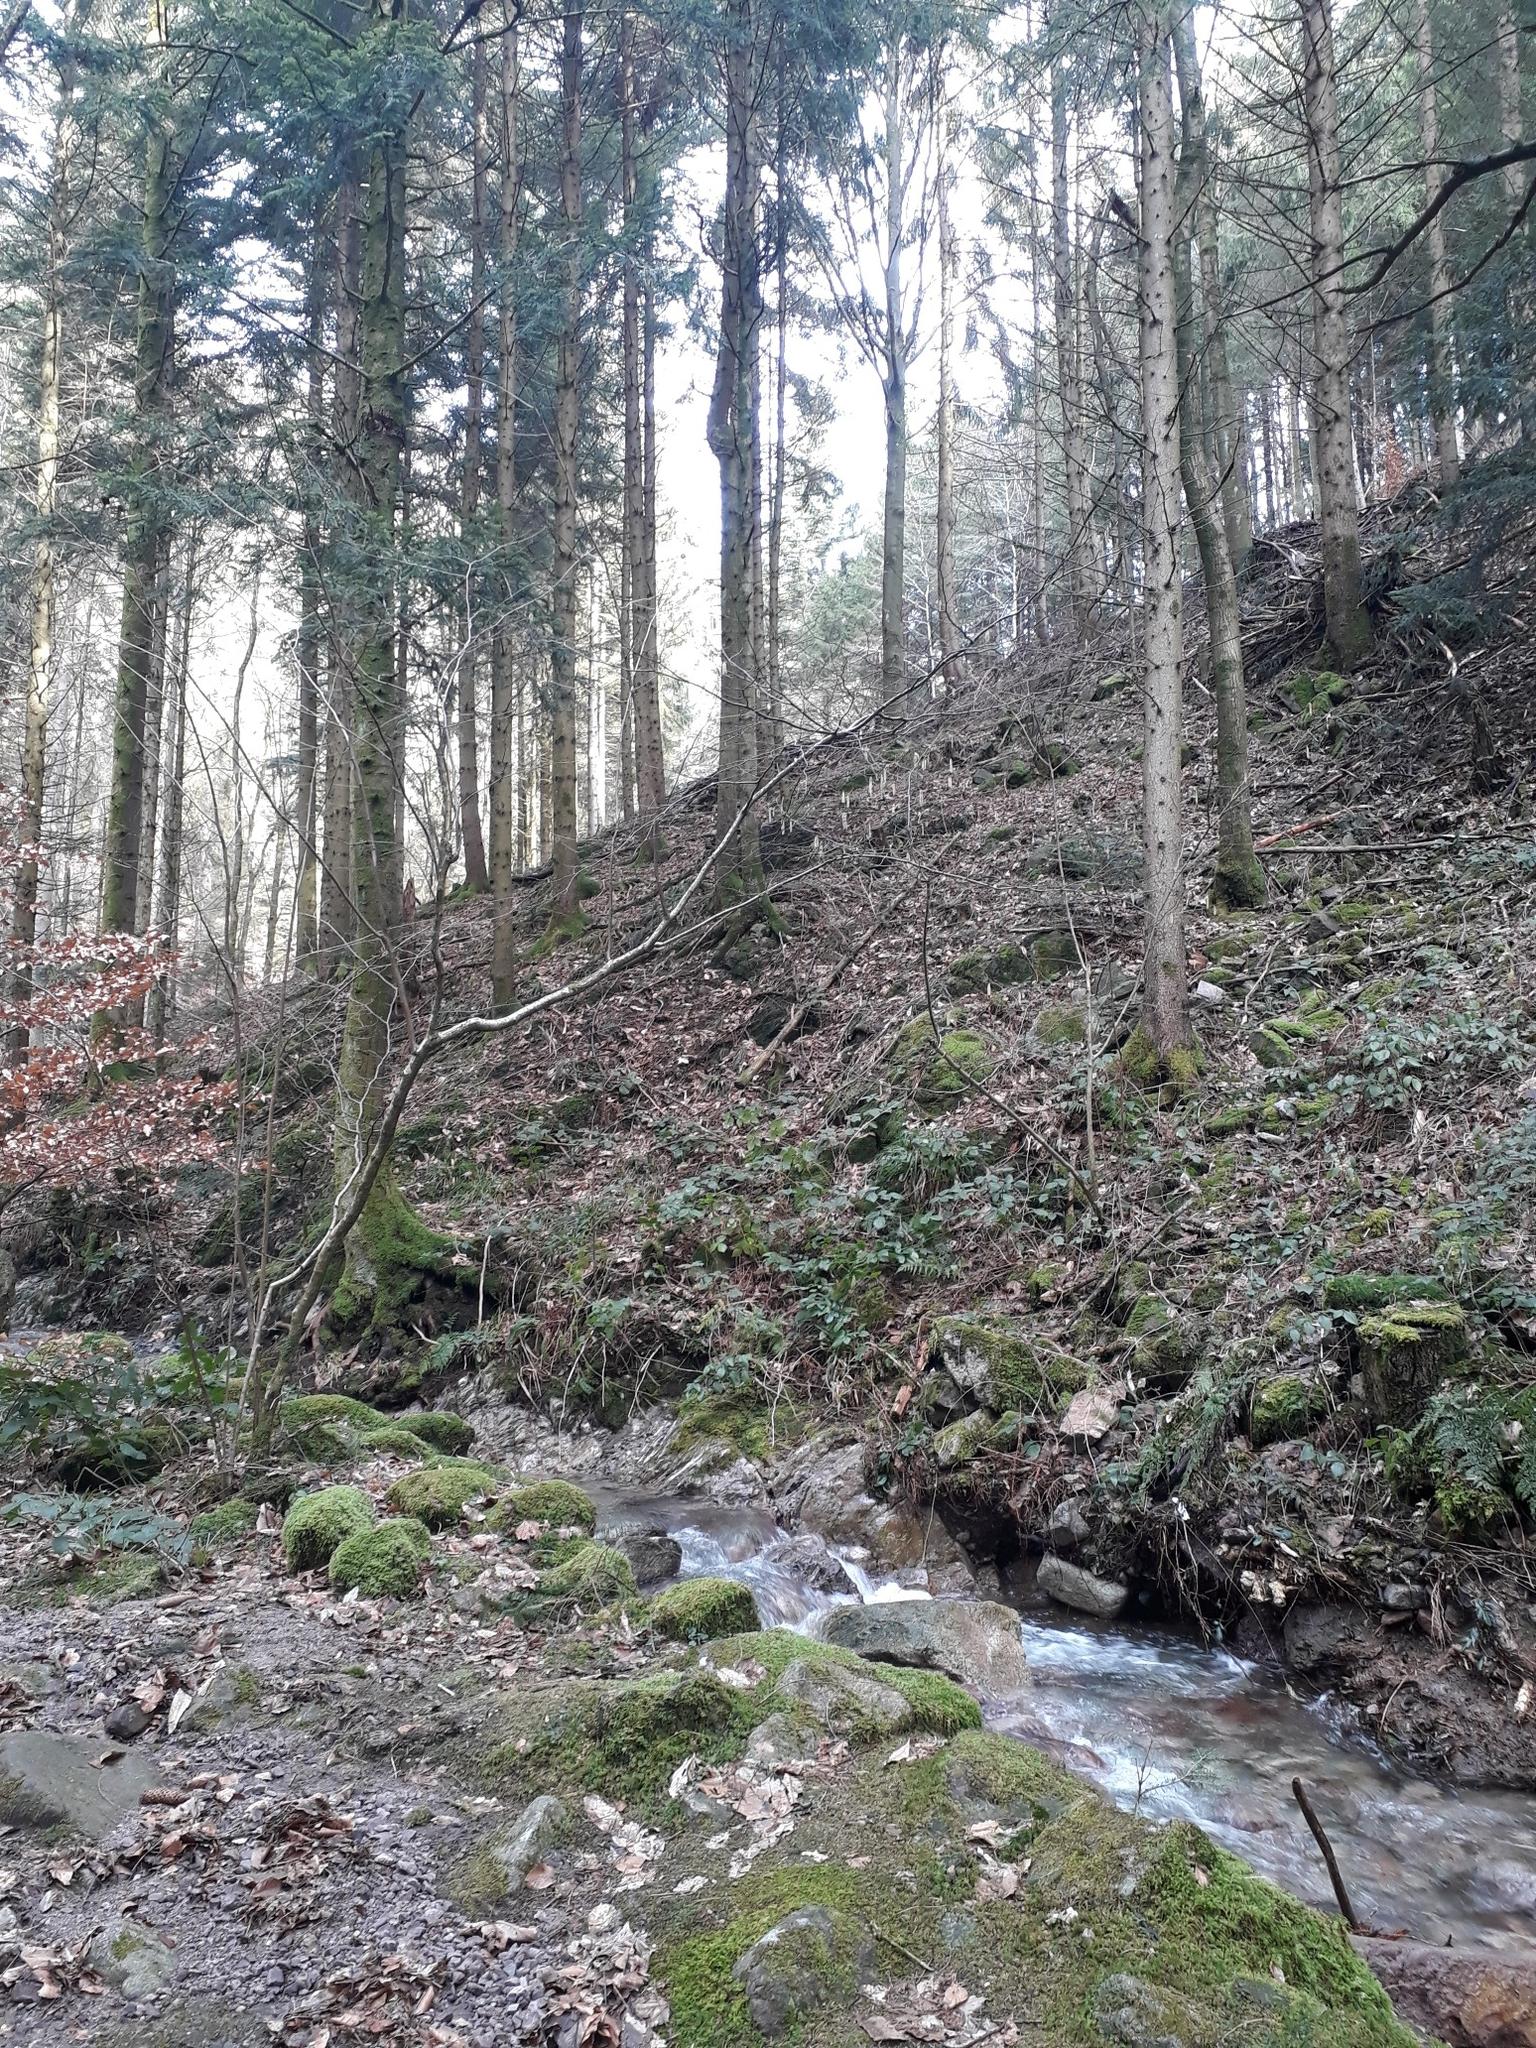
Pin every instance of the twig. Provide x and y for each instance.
(1319, 1835)
(928, 1969)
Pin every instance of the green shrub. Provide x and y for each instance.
(318, 1523)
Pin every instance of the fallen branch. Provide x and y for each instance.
(1320, 1836)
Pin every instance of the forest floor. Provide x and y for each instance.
(1261, 1358)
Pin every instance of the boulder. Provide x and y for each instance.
(133, 1959)
(1092, 1413)
(804, 1961)
(1066, 1527)
(536, 1829)
(1464, 1997)
(821, 1487)
(842, 1701)
(1072, 1585)
(974, 1641)
(653, 1554)
(49, 1781)
(810, 1561)
(998, 1361)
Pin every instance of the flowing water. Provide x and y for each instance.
(1175, 1729)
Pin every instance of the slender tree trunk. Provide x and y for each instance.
(1080, 575)
(893, 550)
(144, 519)
(168, 886)
(563, 567)
(650, 762)
(1442, 376)
(1228, 430)
(506, 691)
(730, 428)
(154, 711)
(1239, 880)
(780, 424)
(632, 712)
(475, 871)
(378, 713)
(1519, 297)
(1349, 624)
(338, 907)
(944, 458)
(234, 872)
(1164, 1046)
(308, 643)
(34, 745)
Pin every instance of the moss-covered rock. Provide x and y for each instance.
(701, 1610)
(941, 1071)
(326, 1427)
(1405, 1351)
(385, 1560)
(591, 1576)
(397, 1440)
(1058, 1024)
(1285, 1406)
(447, 1433)
(1355, 1291)
(1001, 1362)
(318, 1523)
(439, 1493)
(217, 1528)
(554, 1503)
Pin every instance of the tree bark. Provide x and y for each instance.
(1162, 1045)
(309, 637)
(34, 745)
(944, 457)
(1442, 371)
(1349, 624)
(563, 566)
(1519, 297)
(506, 692)
(144, 515)
(730, 429)
(1080, 575)
(1239, 881)
(168, 887)
(893, 547)
(475, 871)
(338, 908)
(650, 760)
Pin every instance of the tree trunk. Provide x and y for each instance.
(475, 872)
(774, 650)
(378, 713)
(34, 745)
(144, 515)
(308, 641)
(1239, 881)
(1518, 298)
(338, 907)
(893, 544)
(506, 693)
(632, 713)
(944, 460)
(1442, 375)
(1228, 429)
(1162, 1045)
(650, 755)
(1080, 575)
(1349, 625)
(154, 711)
(563, 566)
(730, 429)
(168, 886)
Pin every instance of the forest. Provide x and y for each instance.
(768, 1103)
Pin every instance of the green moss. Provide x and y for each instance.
(941, 1071)
(1004, 1361)
(741, 1419)
(395, 1438)
(939, 1706)
(385, 1560)
(593, 1576)
(702, 1610)
(1379, 1290)
(326, 1426)
(392, 1256)
(621, 1738)
(554, 1503)
(439, 1493)
(1176, 1072)
(1318, 691)
(318, 1523)
(1413, 1322)
(1238, 884)
(1285, 1407)
(1059, 1024)
(102, 1583)
(225, 1524)
(450, 1434)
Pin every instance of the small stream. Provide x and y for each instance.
(1177, 1730)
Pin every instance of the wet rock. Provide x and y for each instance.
(821, 1486)
(536, 1829)
(805, 1960)
(49, 1780)
(974, 1641)
(809, 1560)
(1067, 1528)
(653, 1555)
(1073, 1585)
(842, 1701)
(134, 1959)
(1466, 1998)
(126, 1723)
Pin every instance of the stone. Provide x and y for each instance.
(653, 1554)
(821, 1486)
(976, 1642)
(1135, 2014)
(1066, 1527)
(49, 1780)
(1401, 1599)
(1464, 1997)
(776, 1741)
(1072, 1585)
(133, 1959)
(126, 1723)
(1112, 984)
(804, 1961)
(841, 1701)
(808, 1559)
(536, 1829)
(1091, 1414)
(1209, 996)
